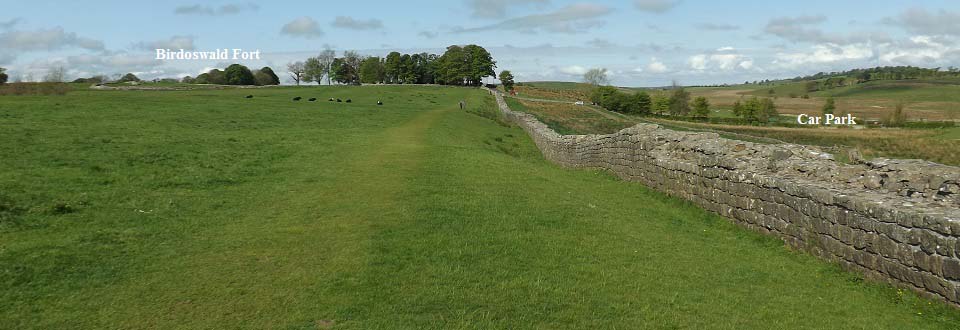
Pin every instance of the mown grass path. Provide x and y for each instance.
(202, 210)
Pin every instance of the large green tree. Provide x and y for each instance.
(371, 70)
(701, 107)
(313, 70)
(237, 74)
(679, 101)
(506, 79)
(479, 63)
(266, 76)
(3, 76)
(451, 69)
(391, 67)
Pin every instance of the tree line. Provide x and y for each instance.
(677, 103)
(458, 65)
(235, 74)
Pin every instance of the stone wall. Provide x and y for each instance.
(892, 220)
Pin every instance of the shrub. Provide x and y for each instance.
(45, 88)
(701, 107)
(897, 118)
(128, 77)
(237, 74)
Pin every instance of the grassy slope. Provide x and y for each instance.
(206, 210)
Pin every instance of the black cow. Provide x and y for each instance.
(330, 100)
(296, 98)
(249, 96)
(348, 101)
(339, 100)
(312, 99)
(379, 103)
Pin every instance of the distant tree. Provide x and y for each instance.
(335, 70)
(343, 73)
(326, 58)
(391, 67)
(313, 70)
(701, 107)
(738, 108)
(480, 64)
(266, 76)
(296, 71)
(407, 70)
(618, 102)
(897, 118)
(828, 106)
(450, 67)
(237, 74)
(349, 70)
(811, 86)
(187, 80)
(767, 111)
(661, 104)
(424, 67)
(371, 70)
(643, 101)
(56, 74)
(3, 76)
(506, 79)
(601, 93)
(596, 77)
(129, 77)
(679, 101)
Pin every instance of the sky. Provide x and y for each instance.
(640, 42)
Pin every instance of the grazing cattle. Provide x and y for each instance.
(339, 100)
(312, 99)
(331, 99)
(296, 98)
(249, 96)
(379, 103)
(348, 101)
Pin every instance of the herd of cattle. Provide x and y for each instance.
(314, 99)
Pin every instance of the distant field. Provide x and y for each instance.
(933, 99)
(206, 210)
(935, 145)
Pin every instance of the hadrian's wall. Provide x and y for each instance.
(892, 220)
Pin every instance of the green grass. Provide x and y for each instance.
(205, 210)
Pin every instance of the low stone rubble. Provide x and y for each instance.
(891, 220)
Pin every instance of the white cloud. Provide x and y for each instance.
(655, 6)
(497, 8)
(575, 18)
(227, 9)
(601, 43)
(919, 20)
(347, 22)
(175, 42)
(304, 27)
(574, 70)
(717, 27)
(698, 62)
(922, 50)
(825, 53)
(725, 61)
(46, 40)
(428, 34)
(656, 66)
(9, 23)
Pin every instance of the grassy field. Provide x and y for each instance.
(205, 210)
